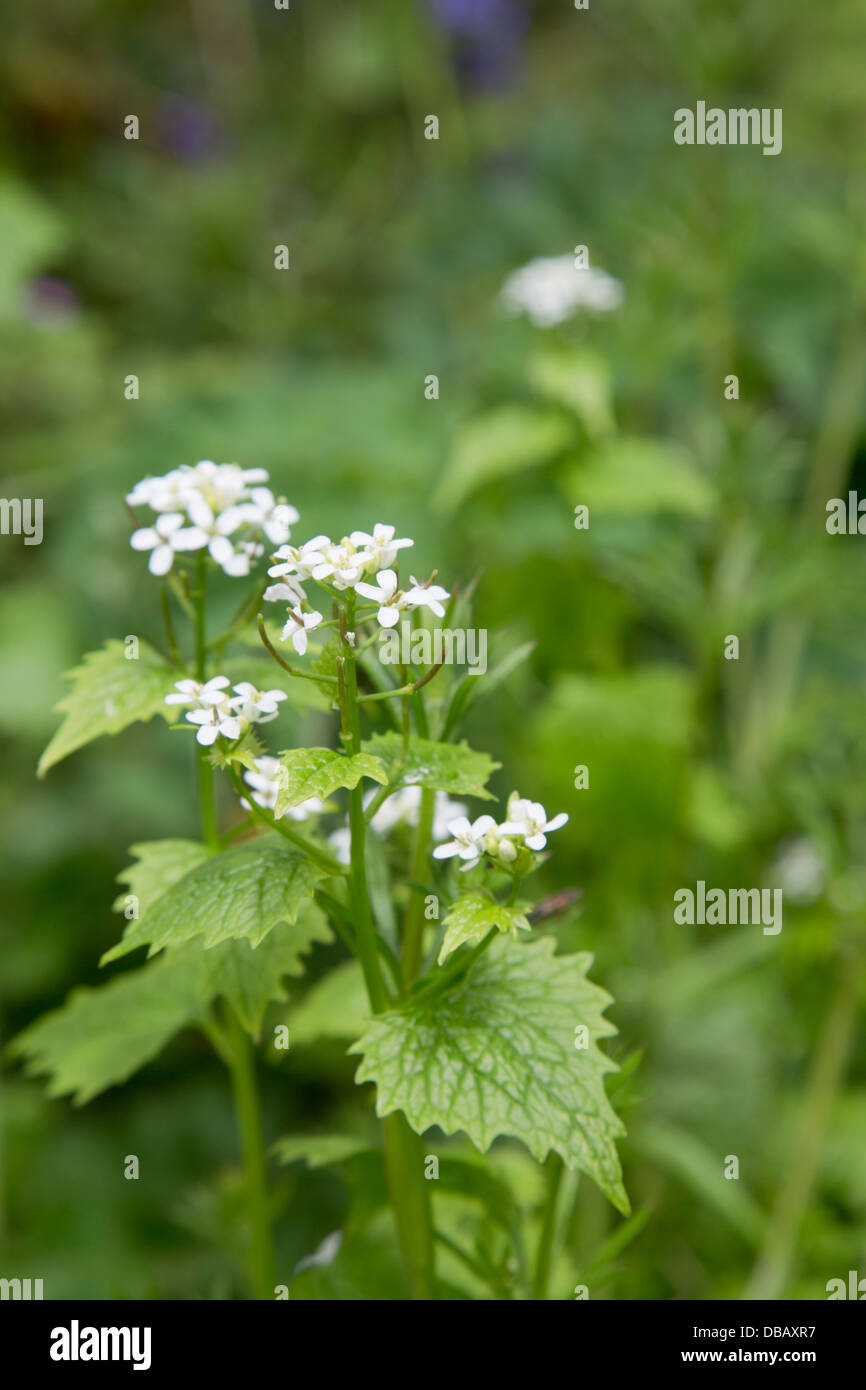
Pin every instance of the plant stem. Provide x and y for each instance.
(207, 804)
(404, 1155)
(313, 852)
(365, 932)
(825, 1076)
(243, 1074)
(237, 1050)
(555, 1168)
(414, 927)
(410, 1198)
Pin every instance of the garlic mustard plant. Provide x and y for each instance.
(471, 1022)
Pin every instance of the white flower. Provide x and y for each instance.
(467, 840)
(167, 536)
(218, 499)
(299, 559)
(297, 627)
(551, 289)
(380, 548)
(800, 869)
(257, 706)
(529, 819)
(427, 596)
(213, 710)
(386, 593)
(341, 843)
(202, 694)
(223, 484)
(288, 591)
(263, 783)
(273, 518)
(343, 564)
(403, 805)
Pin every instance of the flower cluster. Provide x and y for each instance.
(526, 825)
(217, 713)
(343, 565)
(219, 506)
(551, 289)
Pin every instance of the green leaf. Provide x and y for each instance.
(100, 1037)
(581, 381)
(471, 918)
(335, 1007)
(243, 753)
(317, 1150)
(250, 977)
(496, 1055)
(447, 767)
(160, 864)
(633, 475)
(108, 693)
(242, 893)
(503, 442)
(308, 772)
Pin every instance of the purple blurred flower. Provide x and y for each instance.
(50, 302)
(188, 128)
(486, 37)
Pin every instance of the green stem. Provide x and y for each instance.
(236, 1050)
(318, 856)
(207, 804)
(404, 1155)
(555, 1169)
(365, 930)
(410, 1198)
(243, 1074)
(413, 930)
(825, 1077)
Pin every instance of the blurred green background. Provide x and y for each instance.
(155, 257)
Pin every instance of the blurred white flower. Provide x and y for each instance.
(551, 289)
(165, 538)
(403, 806)
(800, 870)
(341, 843)
(219, 500)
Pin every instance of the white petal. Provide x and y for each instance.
(161, 560)
(144, 539)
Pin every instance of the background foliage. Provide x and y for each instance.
(156, 257)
